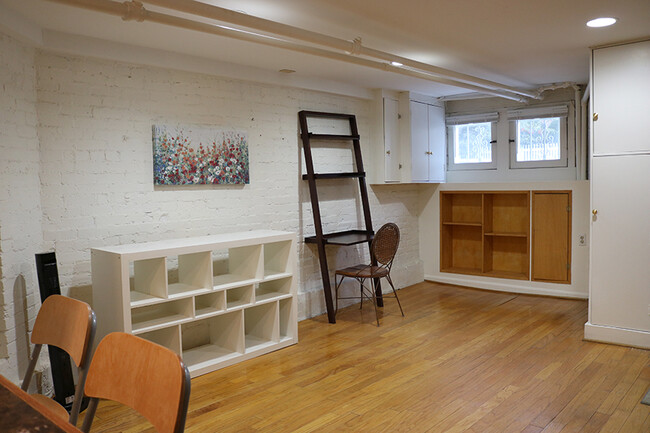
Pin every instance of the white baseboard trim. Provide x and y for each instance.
(611, 334)
(502, 286)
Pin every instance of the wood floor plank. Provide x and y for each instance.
(461, 360)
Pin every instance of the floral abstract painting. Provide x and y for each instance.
(190, 155)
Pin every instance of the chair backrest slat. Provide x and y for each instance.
(384, 244)
(142, 375)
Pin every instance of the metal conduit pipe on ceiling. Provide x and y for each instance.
(133, 10)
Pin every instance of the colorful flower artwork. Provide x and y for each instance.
(191, 155)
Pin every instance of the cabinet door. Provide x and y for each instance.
(620, 97)
(391, 141)
(437, 143)
(619, 268)
(419, 142)
(551, 247)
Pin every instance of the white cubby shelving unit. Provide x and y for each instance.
(214, 300)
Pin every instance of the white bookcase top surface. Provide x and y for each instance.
(201, 243)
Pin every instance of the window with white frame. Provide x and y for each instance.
(538, 137)
(471, 141)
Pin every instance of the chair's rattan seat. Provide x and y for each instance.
(363, 271)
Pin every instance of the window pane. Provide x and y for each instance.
(538, 139)
(472, 143)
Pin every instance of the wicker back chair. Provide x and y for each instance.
(382, 250)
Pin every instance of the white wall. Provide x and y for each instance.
(430, 240)
(20, 209)
(93, 119)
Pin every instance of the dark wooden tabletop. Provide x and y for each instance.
(20, 413)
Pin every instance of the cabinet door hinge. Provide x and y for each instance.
(568, 208)
(568, 265)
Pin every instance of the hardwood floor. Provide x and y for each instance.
(462, 360)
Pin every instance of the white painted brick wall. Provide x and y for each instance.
(20, 211)
(96, 174)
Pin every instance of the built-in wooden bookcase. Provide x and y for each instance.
(485, 233)
(214, 300)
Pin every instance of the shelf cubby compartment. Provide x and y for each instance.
(506, 257)
(189, 274)
(147, 281)
(261, 326)
(237, 266)
(276, 259)
(239, 296)
(209, 342)
(461, 208)
(461, 249)
(169, 337)
(288, 328)
(209, 304)
(274, 289)
(507, 213)
(151, 317)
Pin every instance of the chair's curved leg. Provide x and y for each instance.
(361, 280)
(395, 292)
(374, 301)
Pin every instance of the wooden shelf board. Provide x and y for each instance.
(229, 281)
(160, 322)
(503, 234)
(270, 275)
(139, 299)
(237, 304)
(459, 223)
(459, 270)
(270, 296)
(202, 313)
(254, 343)
(207, 355)
(181, 290)
(348, 237)
(506, 274)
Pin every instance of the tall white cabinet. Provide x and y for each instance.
(428, 150)
(619, 292)
(214, 300)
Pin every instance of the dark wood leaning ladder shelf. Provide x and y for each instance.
(348, 237)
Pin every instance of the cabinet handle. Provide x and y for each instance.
(388, 152)
(595, 116)
(595, 211)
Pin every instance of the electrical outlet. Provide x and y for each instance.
(582, 240)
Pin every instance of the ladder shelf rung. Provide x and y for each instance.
(337, 137)
(335, 175)
(348, 237)
(326, 115)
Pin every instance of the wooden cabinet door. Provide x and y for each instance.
(419, 142)
(551, 242)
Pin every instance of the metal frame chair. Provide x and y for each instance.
(145, 376)
(70, 325)
(382, 251)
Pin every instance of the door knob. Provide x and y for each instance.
(388, 152)
(595, 211)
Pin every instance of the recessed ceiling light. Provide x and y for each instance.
(396, 64)
(601, 22)
(287, 71)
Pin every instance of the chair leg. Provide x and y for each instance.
(395, 293)
(78, 396)
(31, 366)
(374, 301)
(337, 284)
(360, 294)
(90, 414)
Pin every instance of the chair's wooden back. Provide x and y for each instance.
(384, 244)
(142, 375)
(65, 323)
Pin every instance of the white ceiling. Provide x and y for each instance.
(521, 43)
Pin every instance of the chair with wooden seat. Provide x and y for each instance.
(70, 325)
(382, 251)
(142, 375)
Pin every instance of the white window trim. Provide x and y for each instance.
(564, 112)
(463, 119)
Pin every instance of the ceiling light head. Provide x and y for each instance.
(601, 22)
(287, 71)
(398, 64)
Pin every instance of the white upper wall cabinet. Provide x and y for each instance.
(427, 142)
(621, 88)
(392, 164)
